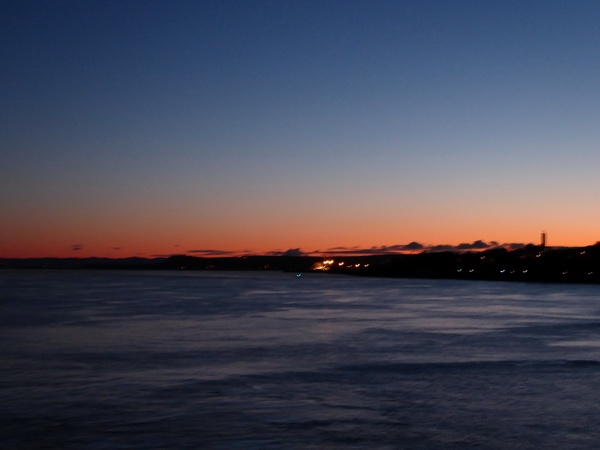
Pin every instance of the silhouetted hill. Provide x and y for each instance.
(530, 263)
(80, 263)
(280, 263)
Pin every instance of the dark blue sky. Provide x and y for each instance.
(240, 124)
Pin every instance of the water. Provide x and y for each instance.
(131, 360)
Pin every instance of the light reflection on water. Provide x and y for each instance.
(259, 360)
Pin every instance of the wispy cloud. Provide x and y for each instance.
(375, 250)
(213, 252)
(474, 246)
(441, 248)
(477, 245)
(290, 252)
(412, 247)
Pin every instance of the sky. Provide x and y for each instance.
(145, 128)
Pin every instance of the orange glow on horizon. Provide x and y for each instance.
(151, 248)
(50, 236)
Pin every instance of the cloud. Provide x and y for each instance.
(290, 252)
(477, 245)
(392, 248)
(414, 246)
(375, 250)
(463, 247)
(441, 248)
(211, 252)
(512, 245)
(396, 249)
(76, 247)
(352, 251)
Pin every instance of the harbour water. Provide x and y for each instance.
(259, 360)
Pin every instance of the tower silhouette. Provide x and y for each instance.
(543, 244)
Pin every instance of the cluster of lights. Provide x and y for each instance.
(327, 263)
(324, 265)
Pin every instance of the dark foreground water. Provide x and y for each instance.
(111, 360)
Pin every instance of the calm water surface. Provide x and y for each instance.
(123, 360)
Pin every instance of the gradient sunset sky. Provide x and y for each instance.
(159, 127)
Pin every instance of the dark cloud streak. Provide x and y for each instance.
(412, 247)
(289, 252)
(478, 245)
(212, 252)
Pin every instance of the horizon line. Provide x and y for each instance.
(476, 247)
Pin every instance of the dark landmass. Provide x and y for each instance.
(80, 263)
(530, 263)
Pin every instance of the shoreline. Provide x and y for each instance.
(528, 264)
